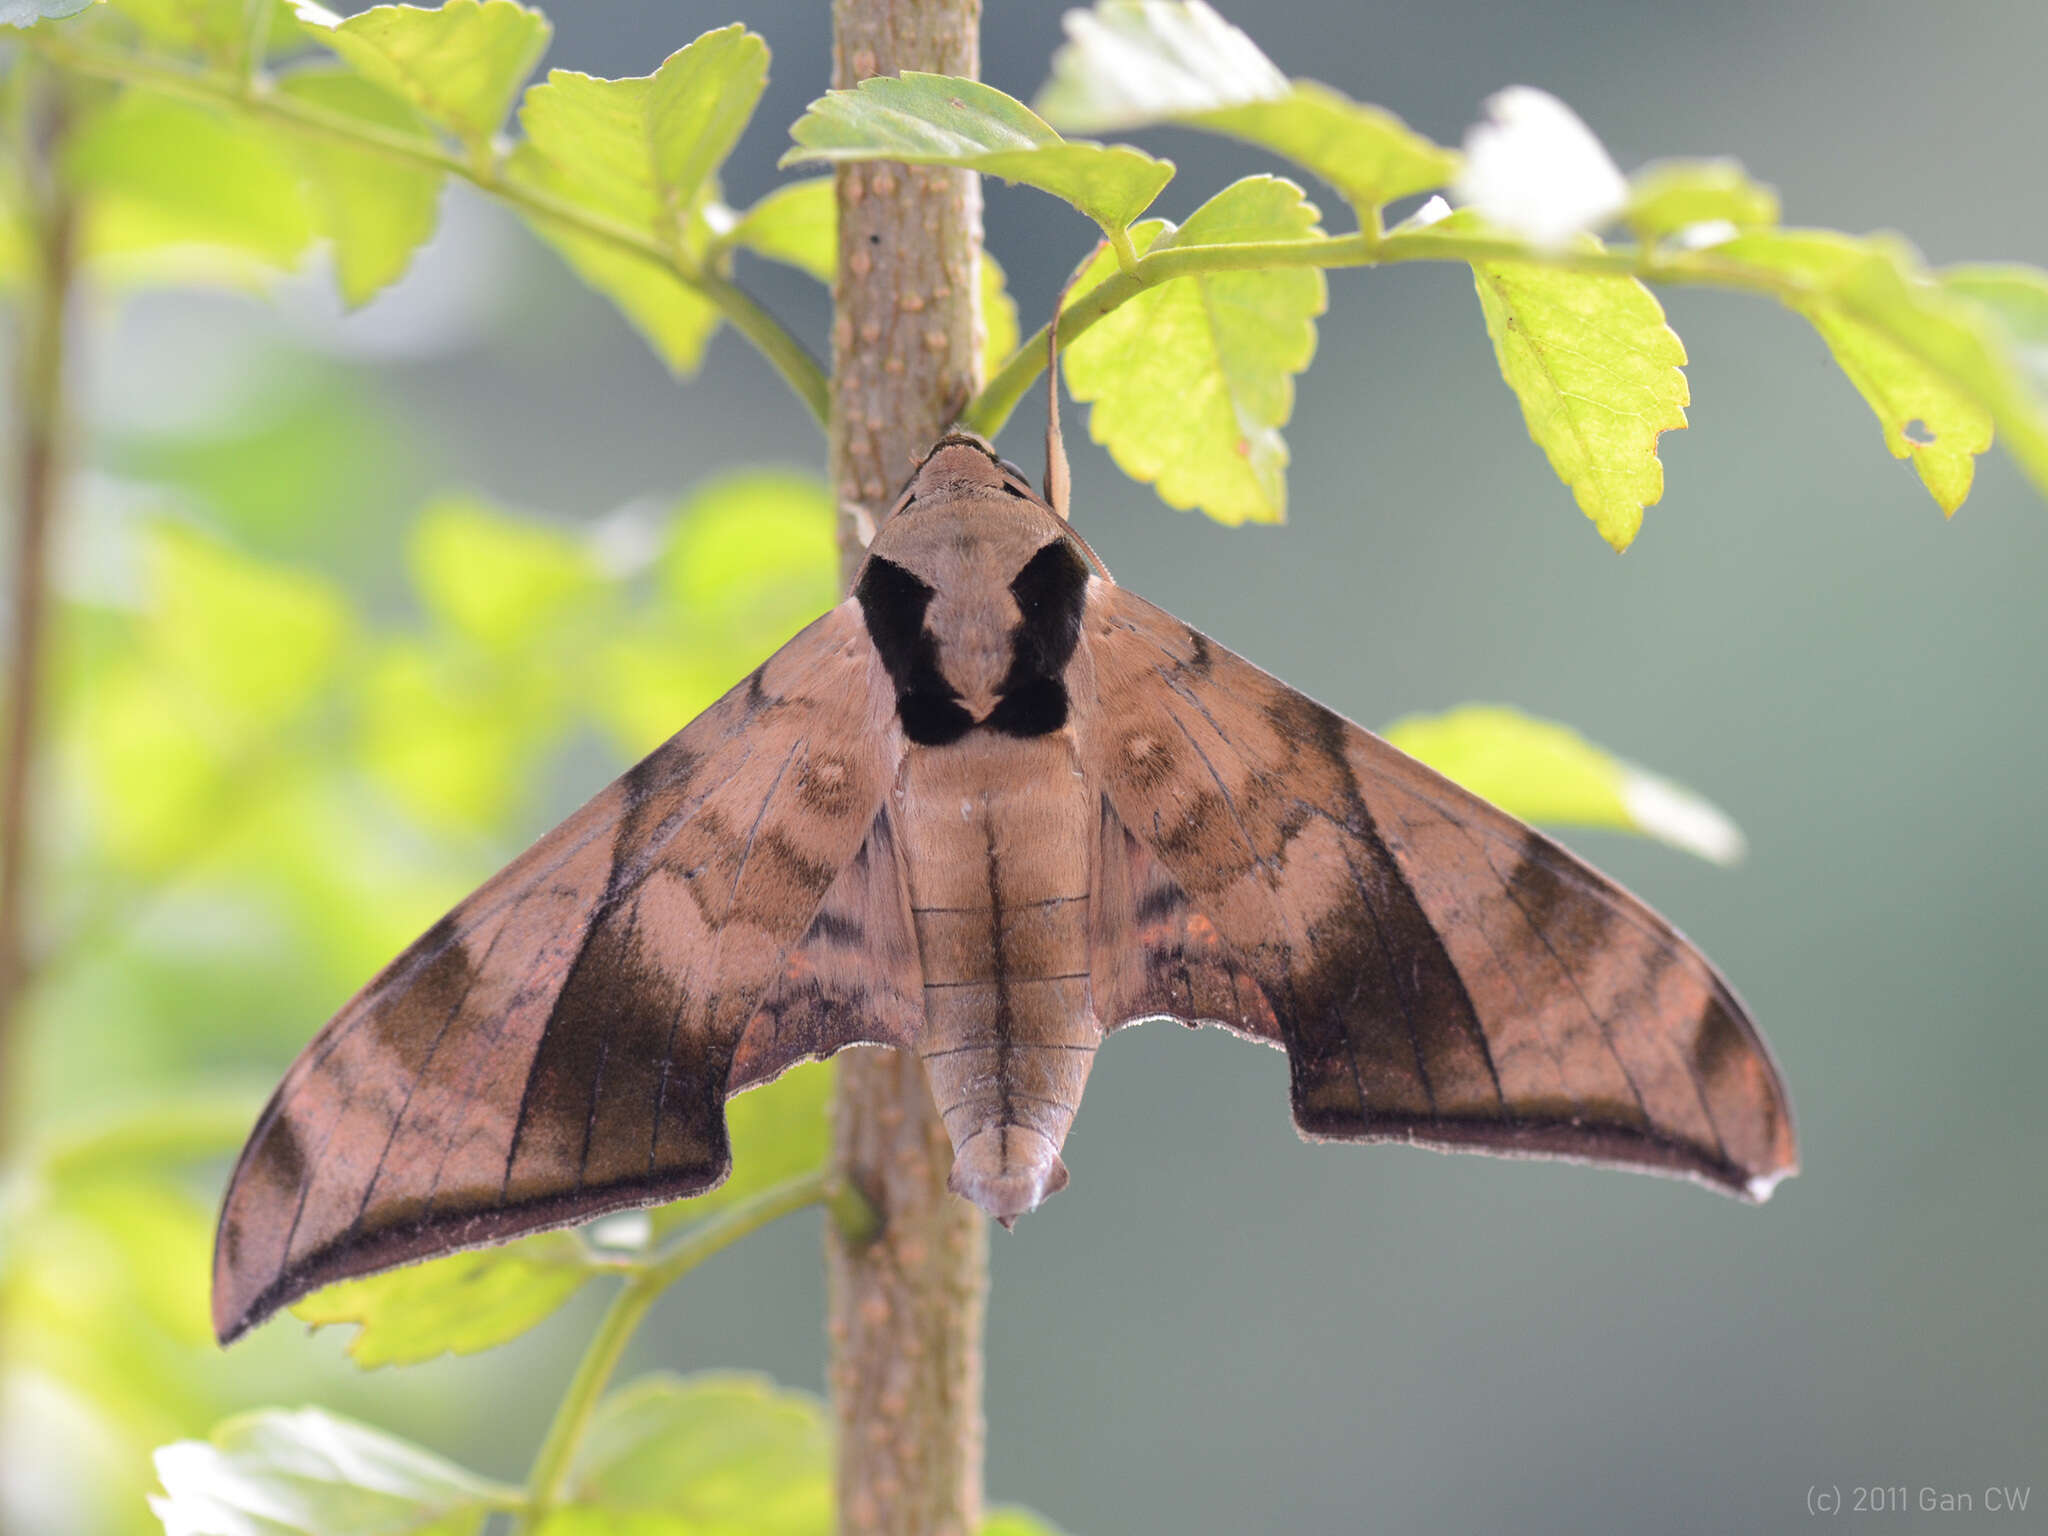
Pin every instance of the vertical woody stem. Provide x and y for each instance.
(906, 1305)
(39, 448)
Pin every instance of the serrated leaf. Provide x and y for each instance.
(733, 1454)
(1000, 334)
(1191, 381)
(1548, 773)
(673, 317)
(375, 208)
(1598, 375)
(780, 1131)
(306, 1472)
(1135, 63)
(459, 1305)
(160, 174)
(796, 224)
(643, 150)
(494, 578)
(1668, 197)
(923, 119)
(1878, 315)
(26, 13)
(459, 64)
(642, 153)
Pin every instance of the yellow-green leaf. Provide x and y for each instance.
(998, 317)
(942, 120)
(1010, 1520)
(641, 154)
(461, 1305)
(1548, 773)
(1598, 374)
(1134, 63)
(253, 641)
(1192, 380)
(496, 579)
(377, 209)
(307, 1472)
(162, 174)
(796, 224)
(460, 64)
(216, 30)
(1671, 196)
(642, 150)
(738, 1455)
(1879, 316)
(2017, 297)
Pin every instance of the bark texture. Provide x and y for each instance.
(906, 1306)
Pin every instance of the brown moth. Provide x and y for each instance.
(987, 809)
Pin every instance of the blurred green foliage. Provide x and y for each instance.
(268, 772)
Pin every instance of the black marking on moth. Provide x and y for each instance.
(893, 604)
(1050, 591)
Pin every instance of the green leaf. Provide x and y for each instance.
(1597, 372)
(161, 174)
(1192, 380)
(941, 120)
(1670, 196)
(249, 641)
(780, 1131)
(644, 150)
(2017, 297)
(217, 30)
(753, 543)
(1544, 772)
(461, 1305)
(796, 224)
(376, 209)
(26, 13)
(998, 317)
(306, 1472)
(447, 735)
(1134, 63)
(674, 318)
(1927, 363)
(1010, 1520)
(641, 153)
(496, 579)
(459, 64)
(730, 1454)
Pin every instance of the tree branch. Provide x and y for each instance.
(906, 1304)
(40, 447)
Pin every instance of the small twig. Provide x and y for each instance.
(39, 469)
(647, 1278)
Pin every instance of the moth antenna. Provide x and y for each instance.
(1059, 479)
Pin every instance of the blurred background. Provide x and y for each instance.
(1217, 1327)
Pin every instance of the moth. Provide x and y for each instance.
(987, 809)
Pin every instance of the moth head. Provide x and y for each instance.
(960, 464)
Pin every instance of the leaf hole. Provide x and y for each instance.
(1918, 433)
